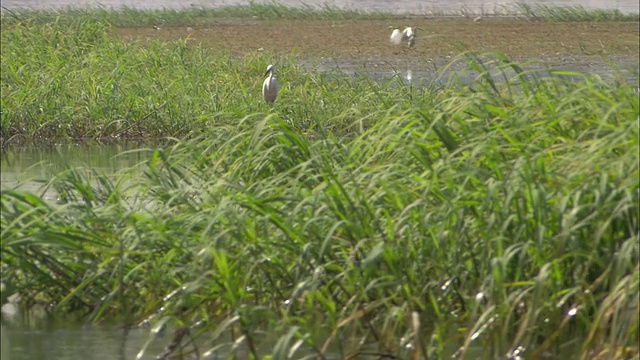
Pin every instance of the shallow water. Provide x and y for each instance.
(71, 341)
(400, 6)
(437, 72)
(28, 337)
(32, 167)
(34, 336)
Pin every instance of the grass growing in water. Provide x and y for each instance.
(496, 216)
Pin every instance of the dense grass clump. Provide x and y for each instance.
(497, 218)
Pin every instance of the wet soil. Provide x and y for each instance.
(436, 37)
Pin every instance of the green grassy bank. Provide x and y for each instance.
(499, 219)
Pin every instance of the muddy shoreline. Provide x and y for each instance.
(437, 37)
(353, 46)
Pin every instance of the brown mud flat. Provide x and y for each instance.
(436, 38)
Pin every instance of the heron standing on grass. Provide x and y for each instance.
(270, 86)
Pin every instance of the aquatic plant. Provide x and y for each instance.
(493, 218)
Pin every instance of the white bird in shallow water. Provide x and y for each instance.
(270, 86)
(396, 37)
(411, 36)
(408, 34)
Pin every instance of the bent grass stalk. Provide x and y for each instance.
(500, 216)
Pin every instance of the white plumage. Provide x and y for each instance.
(411, 36)
(396, 37)
(408, 34)
(270, 86)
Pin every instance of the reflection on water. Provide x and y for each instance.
(26, 338)
(33, 339)
(31, 167)
(402, 6)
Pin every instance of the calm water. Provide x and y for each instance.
(29, 337)
(403, 6)
(30, 168)
(63, 340)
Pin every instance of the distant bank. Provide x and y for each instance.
(427, 7)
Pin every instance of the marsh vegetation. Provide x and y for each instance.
(355, 218)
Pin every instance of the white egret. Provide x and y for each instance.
(270, 86)
(408, 34)
(396, 37)
(411, 36)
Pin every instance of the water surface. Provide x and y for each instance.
(36, 337)
(32, 167)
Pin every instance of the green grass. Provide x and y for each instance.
(204, 16)
(353, 217)
(192, 16)
(573, 13)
